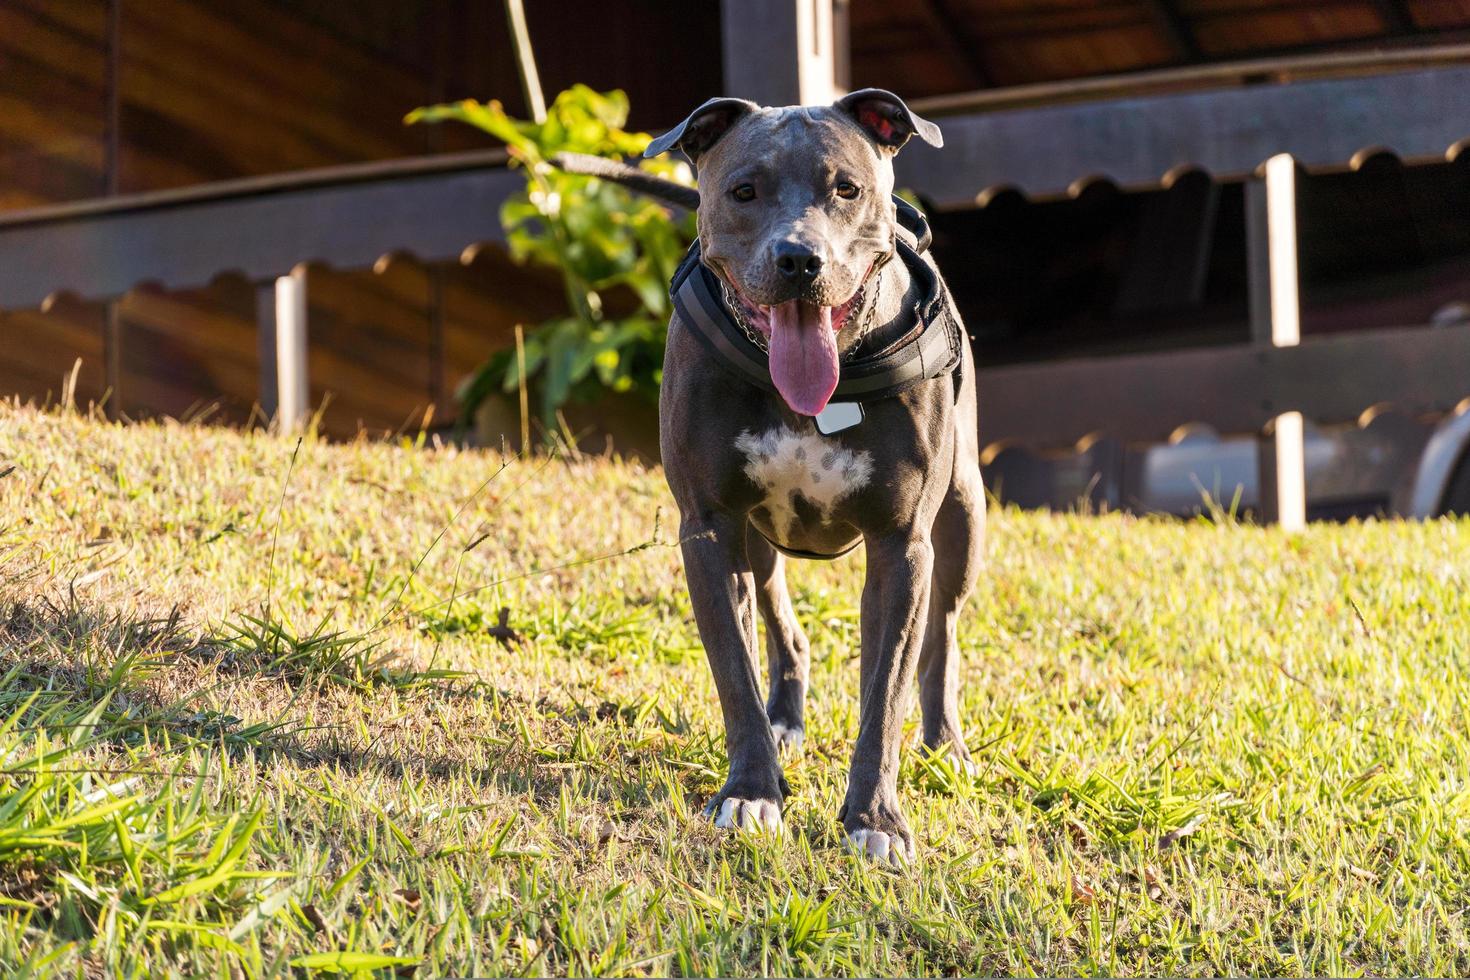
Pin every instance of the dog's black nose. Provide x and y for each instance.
(797, 262)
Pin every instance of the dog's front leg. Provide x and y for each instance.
(895, 606)
(721, 590)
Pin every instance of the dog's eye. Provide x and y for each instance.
(743, 192)
(847, 190)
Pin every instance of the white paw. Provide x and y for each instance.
(788, 740)
(970, 767)
(757, 816)
(890, 849)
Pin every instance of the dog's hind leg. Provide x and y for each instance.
(786, 646)
(958, 536)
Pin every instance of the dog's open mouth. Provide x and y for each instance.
(801, 338)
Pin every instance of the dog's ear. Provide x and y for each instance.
(702, 129)
(886, 120)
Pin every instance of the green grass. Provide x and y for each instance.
(254, 719)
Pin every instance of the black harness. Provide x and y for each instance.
(931, 351)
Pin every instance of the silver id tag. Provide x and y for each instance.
(838, 416)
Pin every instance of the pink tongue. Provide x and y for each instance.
(803, 355)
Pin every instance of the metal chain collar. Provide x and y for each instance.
(737, 312)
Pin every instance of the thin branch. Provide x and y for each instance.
(515, 13)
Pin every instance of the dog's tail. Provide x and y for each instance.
(629, 176)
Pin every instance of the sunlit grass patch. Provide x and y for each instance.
(93, 832)
(281, 711)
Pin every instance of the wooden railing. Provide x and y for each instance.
(1238, 388)
(438, 208)
(435, 208)
(1139, 130)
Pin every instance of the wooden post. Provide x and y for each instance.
(265, 347)
(841, 47)
(1276, 320)
(112, 357)
(782, 52)
(112, 118)
(292, 390)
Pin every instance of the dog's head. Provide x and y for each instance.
(795, 213)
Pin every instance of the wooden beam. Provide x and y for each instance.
(293, 390)
(1170, 258)
(1276, 70)
(1396, 17)
(842, 46)
(439, 396)
(112, 357)
(1176, 28)
(261, 228)
(294, 181)
(267, 393)
(1237, 388)
(112, 120)
(780, 52)
(952, 35)
(1275, 303)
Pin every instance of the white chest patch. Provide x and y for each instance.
(787, 465)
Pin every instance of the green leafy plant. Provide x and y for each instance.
(615, 251)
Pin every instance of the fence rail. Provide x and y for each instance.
(347, 217)
(437, 208)
(1237, 389)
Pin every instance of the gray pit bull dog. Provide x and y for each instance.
(802, 238)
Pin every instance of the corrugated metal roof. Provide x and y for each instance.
(1140, 140)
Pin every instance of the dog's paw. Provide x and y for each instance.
(880, 847)
(758, 816)
(789, 740)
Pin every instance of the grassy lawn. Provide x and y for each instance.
(267, 718)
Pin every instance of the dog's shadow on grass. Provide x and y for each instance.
(55, 649)
(160, 681)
